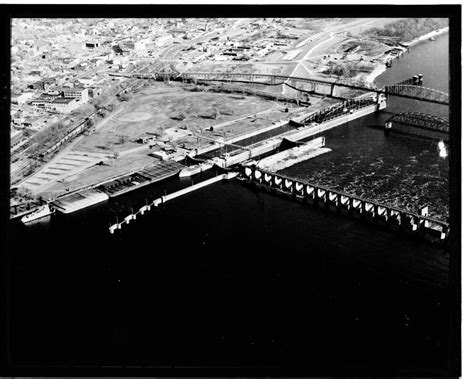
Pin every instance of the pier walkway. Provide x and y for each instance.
(163, 199)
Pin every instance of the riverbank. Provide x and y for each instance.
(428, 36)
(378, 70)
(381, 67)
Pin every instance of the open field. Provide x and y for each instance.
(169, 112)
(158, 110)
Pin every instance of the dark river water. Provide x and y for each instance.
(402, 171)
(230, 276)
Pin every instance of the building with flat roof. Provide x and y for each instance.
(80, 93)
(59, 104)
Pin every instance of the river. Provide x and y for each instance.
(401, 171)
(230, 276)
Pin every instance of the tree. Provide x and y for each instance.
(25, 193)
(124, 97)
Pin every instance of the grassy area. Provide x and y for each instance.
(167, 112)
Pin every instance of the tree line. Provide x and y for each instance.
(408, 29)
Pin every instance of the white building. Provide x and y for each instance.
(65, 105)
(79, 93)
(61, 105)
(23, 98)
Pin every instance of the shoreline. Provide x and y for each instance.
(381, 67)
(426, 36)
(378, 70)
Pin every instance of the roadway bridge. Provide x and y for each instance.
(411, 88)
(317, 86)
(395, 218)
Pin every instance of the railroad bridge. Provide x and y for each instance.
(420, 124)
(346, 204)
(421, 120)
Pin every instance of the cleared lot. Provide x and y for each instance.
(167, 112)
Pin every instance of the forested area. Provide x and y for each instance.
(408, 29)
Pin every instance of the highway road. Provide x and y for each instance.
(321, 42)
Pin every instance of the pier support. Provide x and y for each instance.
(321, 195)
(278, 181)
(299, 188)
(333, 201)
(369, 210)
(267, 178)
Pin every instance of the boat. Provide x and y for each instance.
(41, 212)
(195, 169)
(432, 39)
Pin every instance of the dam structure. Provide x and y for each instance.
(418, 225)
(252, 146)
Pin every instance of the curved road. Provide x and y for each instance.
(321, 41)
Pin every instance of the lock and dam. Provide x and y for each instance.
(241, 266)
(241, 151)
(243, 159)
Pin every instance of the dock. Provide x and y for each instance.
(79, 200)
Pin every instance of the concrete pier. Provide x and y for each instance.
(163, 199)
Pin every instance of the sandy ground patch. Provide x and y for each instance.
(133, 116)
